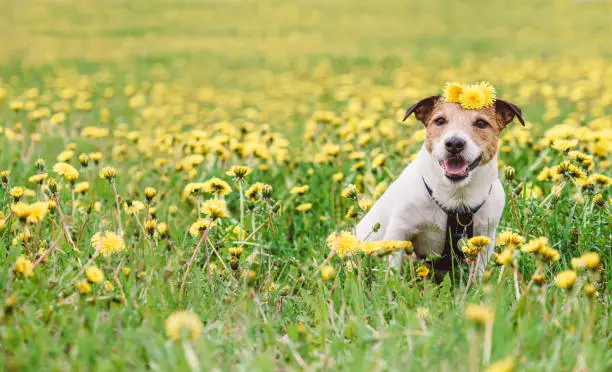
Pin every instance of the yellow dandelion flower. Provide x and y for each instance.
(566, 279)
(504, 257)
(327, 273)
(16, 192)
(65, 156)
(94, 274)
(37, 211)
(601, 180)
(84, 160)
(215, 208)
(350, 192)
(132, 207)
(504, 365)
(24, 266)
(591, 260)
(509, 239)
(107, 242)
(108, 286)
(197, 228)
(83, 287)
(564, 145)
(67, 171)
(422, 271)
(452, 92)
(217, 186)
(21, 211)
(183, 324)
(150, 193)
(108, 173)
(479, 314)
(343, 243)
(304, 207)
(489, 93)
(81, 187)
(535, 245)
(254, 192)
(235, 251)
(364, 202)
(473, 97)
(379, 161)
(96, 157)
(337, 177)
(578, 263)
(239, 172)
(299, 190)
(589, 290)
(38, 178)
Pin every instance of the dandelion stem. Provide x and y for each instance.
(95, 255)
(192, 260)
(514, 213)
(241, 206)
(47, 252)
(516, 284)
(120, 227)
(63, 224)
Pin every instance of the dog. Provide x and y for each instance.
(451, 189)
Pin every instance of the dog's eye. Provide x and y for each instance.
(440, 121)
(481, 124)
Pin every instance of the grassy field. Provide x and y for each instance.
(131, 237)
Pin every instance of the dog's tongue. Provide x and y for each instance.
(455, 167)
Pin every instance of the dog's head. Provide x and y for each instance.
(460, 140)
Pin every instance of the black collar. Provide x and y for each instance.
(459, 225)
(465, 209)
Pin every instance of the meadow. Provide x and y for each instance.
(177, 179)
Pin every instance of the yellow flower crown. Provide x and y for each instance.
(472, 96)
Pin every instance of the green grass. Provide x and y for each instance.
(276, 67)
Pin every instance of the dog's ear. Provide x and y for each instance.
(507, 111)
(422, 109)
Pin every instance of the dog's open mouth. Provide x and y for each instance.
(457, 168)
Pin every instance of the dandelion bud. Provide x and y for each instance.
(566, 279)
(52, 184)
(350, 192)
(40, 164)
(108, 173)
(83, 287)
(150, 193)
(162, 230)
(234, 263)
(150, 225)
(422, 271)
(376, 227)
(266, 191)
(589, 290)
(327, 273)
(4, 176)
(239, 172)
(509, 173)
(599, 201)
(16, 192)
(236, 251)
(84, 160)
(96, 157)
(479, 314)
(538, 279)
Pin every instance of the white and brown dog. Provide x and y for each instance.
(451, 189)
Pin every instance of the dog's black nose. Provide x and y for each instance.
(454, 145)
